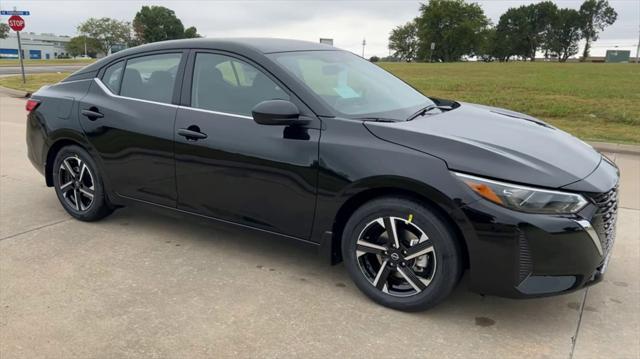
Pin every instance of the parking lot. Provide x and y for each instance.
(147, 284)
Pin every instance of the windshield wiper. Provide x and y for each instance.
(377, 119)
(423, 111)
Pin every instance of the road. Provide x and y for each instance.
(15, 70)
(145, 284)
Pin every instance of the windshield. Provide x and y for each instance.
(352, 86)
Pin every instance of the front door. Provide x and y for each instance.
(243, 172)
(128, 117)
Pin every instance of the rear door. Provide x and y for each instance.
(243, 172)
(128, 116)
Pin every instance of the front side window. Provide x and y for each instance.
(112, 76)
(151, 77)
(225, 84)
(352, 85)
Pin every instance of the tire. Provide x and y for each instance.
(78, 185)
(424, 268)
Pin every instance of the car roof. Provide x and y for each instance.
(264, 45)
(245, 46)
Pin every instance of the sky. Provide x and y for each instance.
(347, 22)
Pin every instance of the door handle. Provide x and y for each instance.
(92, 114)
(192, 133)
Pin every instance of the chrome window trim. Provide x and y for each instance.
(216, 112)
(106, 90)
(73, 81)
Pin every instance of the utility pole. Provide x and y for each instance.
(85, 47)
(364, 43)
(638, 48)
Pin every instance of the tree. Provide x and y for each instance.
(453, 25)
(191, 33)
(76, 46)
(157, 23)
(488, 49)
(524, 30)
(565, 34)
(404, 41)
(374, 59)
(596, 15)
(546, 14)
(106, 31)
(4, 31)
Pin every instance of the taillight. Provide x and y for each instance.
(31, 105)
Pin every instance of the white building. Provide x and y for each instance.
(34, 46)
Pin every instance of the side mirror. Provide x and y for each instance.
(277, 113)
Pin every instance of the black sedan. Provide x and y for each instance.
(306, 141)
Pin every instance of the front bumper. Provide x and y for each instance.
(521, 255)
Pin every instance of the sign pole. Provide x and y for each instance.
(433, 47)
(16, 23)
(24, 80)
(364, 43)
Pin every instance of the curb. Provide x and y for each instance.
(15, 93)
(616, 147)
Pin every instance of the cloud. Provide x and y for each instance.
(346, 21)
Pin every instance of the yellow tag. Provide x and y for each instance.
(410, 218)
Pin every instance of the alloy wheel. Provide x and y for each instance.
(77, 185)
(396, 256)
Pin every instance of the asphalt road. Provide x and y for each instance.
(15, 70)
(144, 284)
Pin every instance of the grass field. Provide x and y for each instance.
(599, 102)
(34, 82)
(593, 101)
(52, 62)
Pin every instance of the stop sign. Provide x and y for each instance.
(16, 23)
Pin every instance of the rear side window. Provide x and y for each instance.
(151, 77)
(112, 76)
(225, 84)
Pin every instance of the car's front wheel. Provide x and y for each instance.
(401, 254)
(78, 184)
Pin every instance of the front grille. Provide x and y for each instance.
(604, 221)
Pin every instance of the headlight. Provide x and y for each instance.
(524, 199)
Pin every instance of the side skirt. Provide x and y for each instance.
(135, 201)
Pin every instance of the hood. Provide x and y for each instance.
(495, 143)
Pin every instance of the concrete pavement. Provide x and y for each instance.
(143, 284)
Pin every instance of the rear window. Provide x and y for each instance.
(112, 76)
(151, 77)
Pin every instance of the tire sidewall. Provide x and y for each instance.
(448, 262)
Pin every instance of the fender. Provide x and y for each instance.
(362, 191)
(64, 137)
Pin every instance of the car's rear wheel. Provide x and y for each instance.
(78, 184)
(401, 254)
